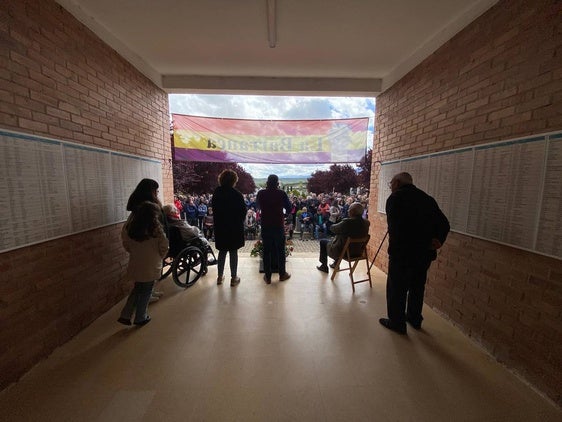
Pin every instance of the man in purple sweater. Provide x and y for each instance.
(272, 201)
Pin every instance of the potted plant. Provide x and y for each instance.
(257, 250)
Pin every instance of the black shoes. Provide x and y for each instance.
(414, 325)
(333, 265)
(267, 280)
(323, 268)
(141, 323)
(124, 321)
(385, 322)
(284, 277)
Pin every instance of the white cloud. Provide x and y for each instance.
(275, 108)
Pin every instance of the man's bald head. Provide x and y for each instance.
(355, 210)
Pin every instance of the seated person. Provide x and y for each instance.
(251, 224)
(354, 226)
(335, 216)
(187, 232)
(209, 224)
(289, 226)
(306, 221)
(320, 227)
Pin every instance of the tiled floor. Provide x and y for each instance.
(303, 350)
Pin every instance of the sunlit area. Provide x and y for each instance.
(297, 177)
(278, 108)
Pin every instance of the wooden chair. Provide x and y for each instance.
(354, 250)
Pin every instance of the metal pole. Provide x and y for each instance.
(378, 250)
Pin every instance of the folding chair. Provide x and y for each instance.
(354, 250)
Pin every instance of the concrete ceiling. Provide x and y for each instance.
(322, 47)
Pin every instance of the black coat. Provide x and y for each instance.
(355, 227)
(229, 210)
(414, 219)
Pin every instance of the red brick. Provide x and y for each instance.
(58, 113)
(32, 125)
(45, 118)
(510, 78)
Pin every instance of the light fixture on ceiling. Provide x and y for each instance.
(271, 24)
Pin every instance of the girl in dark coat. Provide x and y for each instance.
(229, 212)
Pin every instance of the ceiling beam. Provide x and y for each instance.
(352, 87)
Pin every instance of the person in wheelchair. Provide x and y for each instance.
(188, 235)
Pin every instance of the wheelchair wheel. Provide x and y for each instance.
(188, 266)
(166, 267)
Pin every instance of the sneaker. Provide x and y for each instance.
(235, 281)
(153, 299)
(284, 277)
(158, 293)
(323, 268)
(220, 279)
(267, 280)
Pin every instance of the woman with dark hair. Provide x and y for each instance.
(147, 190)
(143, 237)
(229, 213)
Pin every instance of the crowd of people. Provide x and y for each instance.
(310, 216)
(417, 228)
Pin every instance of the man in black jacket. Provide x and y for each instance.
(416, 228)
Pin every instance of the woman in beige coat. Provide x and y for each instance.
(143, 237)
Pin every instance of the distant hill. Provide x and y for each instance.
(285, 181)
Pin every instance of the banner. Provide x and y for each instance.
(269, 141)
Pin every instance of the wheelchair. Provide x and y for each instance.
(186, 261)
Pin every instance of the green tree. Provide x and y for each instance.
(364, 175)
(339, 178)
(202, 177)
(185, 176)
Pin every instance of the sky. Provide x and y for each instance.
(276, 108)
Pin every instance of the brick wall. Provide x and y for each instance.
(57, 79)
(500, 78)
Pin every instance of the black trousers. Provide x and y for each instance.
(273, 239)
(405, 288)
(324, 252)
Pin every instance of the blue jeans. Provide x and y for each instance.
(319, 228)
(138, 301)
(273, 239)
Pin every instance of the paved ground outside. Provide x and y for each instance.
(299, 246)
